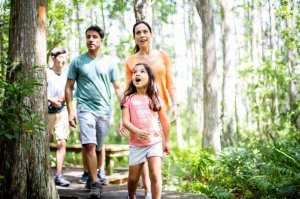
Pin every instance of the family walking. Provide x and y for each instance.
(147, 102)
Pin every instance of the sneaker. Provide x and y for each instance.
(148, 196)
(88, 184)
(61, 181)
(102, 177)
(84, 177)
(134, 196)
(96, 190)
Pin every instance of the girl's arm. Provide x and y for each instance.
(165, 126)
(128, 125)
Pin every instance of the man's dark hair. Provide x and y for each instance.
(97, 29)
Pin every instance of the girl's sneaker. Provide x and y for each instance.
(148, 196)
(129, 198)
(61, 181)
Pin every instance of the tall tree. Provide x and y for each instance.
(290, 45)
(211, 132)
(1, 39)
(143, 10)
(25, 144)
(1, 29)
(229, 78)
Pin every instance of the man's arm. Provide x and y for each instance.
(120, 94)
(69, 96)
(118, 90)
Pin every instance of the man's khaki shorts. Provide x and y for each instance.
(58, 123)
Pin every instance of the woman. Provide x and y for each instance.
(160, 63)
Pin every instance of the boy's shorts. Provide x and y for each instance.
(58, 123)
(139, 154)
(93, 129)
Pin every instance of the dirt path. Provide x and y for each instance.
(110, 191)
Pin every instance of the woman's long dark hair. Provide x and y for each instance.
(137, 48)
(152, 90)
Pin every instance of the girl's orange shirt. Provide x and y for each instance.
(162, 70)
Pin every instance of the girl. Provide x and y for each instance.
(160, 63)
(141, 108)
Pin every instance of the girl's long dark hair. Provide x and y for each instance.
(137, 48)
(152, 90)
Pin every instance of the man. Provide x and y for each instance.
(93, 72)
(57, 112)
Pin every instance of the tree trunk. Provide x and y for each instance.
(291, 56)
(26, 167)
(1, 40)
(102, 15)
(211, 132)
(77, 10)
(229, 77)
(143, 10)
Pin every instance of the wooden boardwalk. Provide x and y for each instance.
(110, 191)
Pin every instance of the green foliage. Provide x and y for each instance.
(191, 124)
(17, 117)
(59, 18)
(264, 171)
(117, 8)
(4, 29)
(164, 9)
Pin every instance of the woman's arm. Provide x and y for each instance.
(175, 106)
(165, 127)
(171, 88)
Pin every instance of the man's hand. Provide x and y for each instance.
(122, 129)
(72, 120)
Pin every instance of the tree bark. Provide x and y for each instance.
(211, 132)
(229, 77)
(2, 40)
(143, 10)
(27, 169)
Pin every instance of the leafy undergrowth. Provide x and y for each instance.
(265, 171)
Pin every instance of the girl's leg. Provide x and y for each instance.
(133, 179)
(154, 164)
(146, 179)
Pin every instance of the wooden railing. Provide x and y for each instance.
(112, 150)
